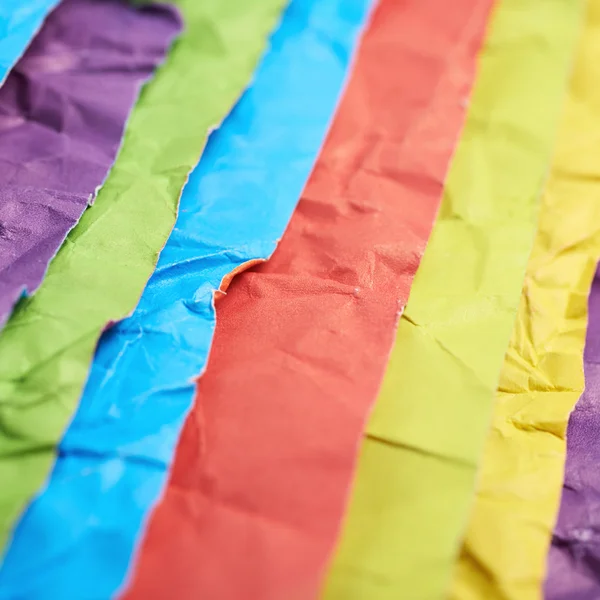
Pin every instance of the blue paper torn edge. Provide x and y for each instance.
(20, 20)
(77, 537)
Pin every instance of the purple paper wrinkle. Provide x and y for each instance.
(63, 111)
(574, 557)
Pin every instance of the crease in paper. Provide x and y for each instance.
(573, 555)
(63, 110)
(321, 315)
(504, 553)
(100, 271)
(114, 458)
(20, 20)
(425, 436)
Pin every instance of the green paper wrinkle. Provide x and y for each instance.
(100, 272)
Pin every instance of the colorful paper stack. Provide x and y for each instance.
(299, 300)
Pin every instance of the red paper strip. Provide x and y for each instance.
(266, 458)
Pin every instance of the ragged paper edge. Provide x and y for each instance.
(222, 285)
(467, 38)
(34, 31)
(10, 533)
(477, 477)
(227, 279)
(23, 293)
(462, 580)
(499, 362)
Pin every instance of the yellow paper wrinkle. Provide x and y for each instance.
(504, 553)
(417, 465)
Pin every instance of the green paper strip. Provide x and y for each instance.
(418, 463)
(101, 270)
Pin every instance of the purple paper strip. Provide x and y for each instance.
(63, 111)
(574, 557)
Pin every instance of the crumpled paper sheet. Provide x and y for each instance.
(20, 20)
(113, 460)
(100, 271)
(575, 553)
(418, 463)
(63, 110)
(518, 489)
(263, 467)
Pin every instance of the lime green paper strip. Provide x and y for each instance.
(504, 555)
(418, 463)
(101, 270)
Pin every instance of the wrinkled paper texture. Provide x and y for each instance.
(63, 110)
(518, 488)
(573, 559)
(20, 20)
(418, 462)
(100, 271)
(266, 457)
(114, 458)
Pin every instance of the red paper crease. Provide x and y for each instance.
(266, 458)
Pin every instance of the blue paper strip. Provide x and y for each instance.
(76, 539)
(20, 20)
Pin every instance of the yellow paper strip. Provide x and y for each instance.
(417, 466)
(519, 486)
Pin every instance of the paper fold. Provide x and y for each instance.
(100, 271)
(114, 458)
(20, 20)
(418, 463)
(265, 459)
(503, 556)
